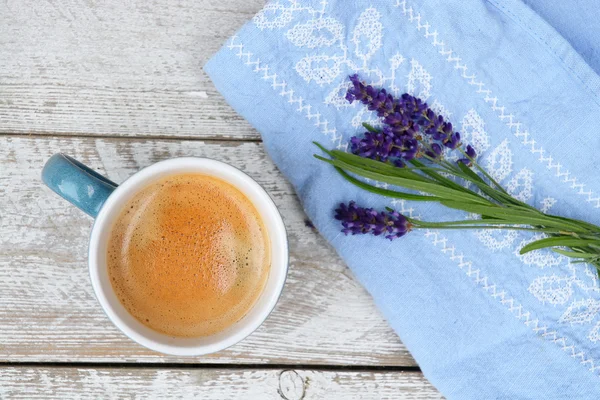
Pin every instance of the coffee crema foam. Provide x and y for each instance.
(189, 255)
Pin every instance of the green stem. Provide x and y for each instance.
(483, 171)
(480, 227)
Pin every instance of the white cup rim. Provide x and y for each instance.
(153, 340)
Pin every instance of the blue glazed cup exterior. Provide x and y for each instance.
(76, 183)
(104, 200)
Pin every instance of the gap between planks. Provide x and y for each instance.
(146, 365)
(149, 137)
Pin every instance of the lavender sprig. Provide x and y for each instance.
(359, 220)
(411, 129)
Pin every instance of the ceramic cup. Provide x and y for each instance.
(103, 200)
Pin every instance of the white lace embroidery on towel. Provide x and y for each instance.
(354, 55)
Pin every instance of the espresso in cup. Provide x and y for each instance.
(189, 255)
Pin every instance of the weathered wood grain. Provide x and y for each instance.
(48, 311)
(208, 384)
(116, 67)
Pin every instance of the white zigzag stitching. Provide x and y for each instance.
(277, 83)
(514, 307)
(493, 102)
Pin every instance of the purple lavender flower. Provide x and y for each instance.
(435, 151)
(404, 121)
(408, 149)
(359, 220)
(359, 91)
(382, 103)
(377, 100)
(375, 145)
(471, 151)
(412, 106)
(384, 145)
(452, 141)
(434, 126)
(471, 154)
(398, 120)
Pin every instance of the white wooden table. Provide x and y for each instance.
(118, 84)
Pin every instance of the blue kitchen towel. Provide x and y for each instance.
(482, 321)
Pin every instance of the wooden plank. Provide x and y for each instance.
(48, 311)
(218, 384)
(117, 67)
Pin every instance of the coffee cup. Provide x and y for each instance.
(104, 200)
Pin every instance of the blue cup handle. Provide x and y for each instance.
(77, 183)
